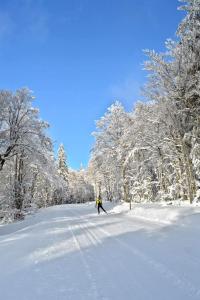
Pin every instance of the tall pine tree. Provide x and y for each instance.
(62, 163)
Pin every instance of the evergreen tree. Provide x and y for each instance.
(62, 163)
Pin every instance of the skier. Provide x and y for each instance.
(99, 205)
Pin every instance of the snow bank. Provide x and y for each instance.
(165, 213)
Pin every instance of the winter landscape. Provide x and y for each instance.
(68, 252)
(125, 224)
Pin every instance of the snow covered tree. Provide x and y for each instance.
(153, 152)
(62, 163)
(106, 152)
(21, 130)
(28, 173)
(80, 188)
(174, 83)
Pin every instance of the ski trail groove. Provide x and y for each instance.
(159, 267)
(95, 241)
(98, 241)
(94, 291)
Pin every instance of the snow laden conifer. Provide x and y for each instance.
(62, 163)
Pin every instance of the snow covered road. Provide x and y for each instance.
(69, 253)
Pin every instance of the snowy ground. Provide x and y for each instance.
(68, 252)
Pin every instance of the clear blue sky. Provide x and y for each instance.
(79, 56)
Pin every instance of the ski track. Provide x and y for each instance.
(159, 267)
(94, 292)
(105, 258)
(97, 242)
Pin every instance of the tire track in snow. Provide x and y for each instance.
(180, 283)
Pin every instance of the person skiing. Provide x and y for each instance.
(99, 205)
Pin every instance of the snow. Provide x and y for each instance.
(163, 212)
(69, 252)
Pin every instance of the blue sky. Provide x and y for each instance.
(79, 56)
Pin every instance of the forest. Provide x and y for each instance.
(149, 154)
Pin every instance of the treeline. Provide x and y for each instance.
(30, 176)
(153, 152)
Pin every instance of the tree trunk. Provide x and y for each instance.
(2, 162)
(126, 188)
(188, 172)
(18, 185)
(5, 155)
